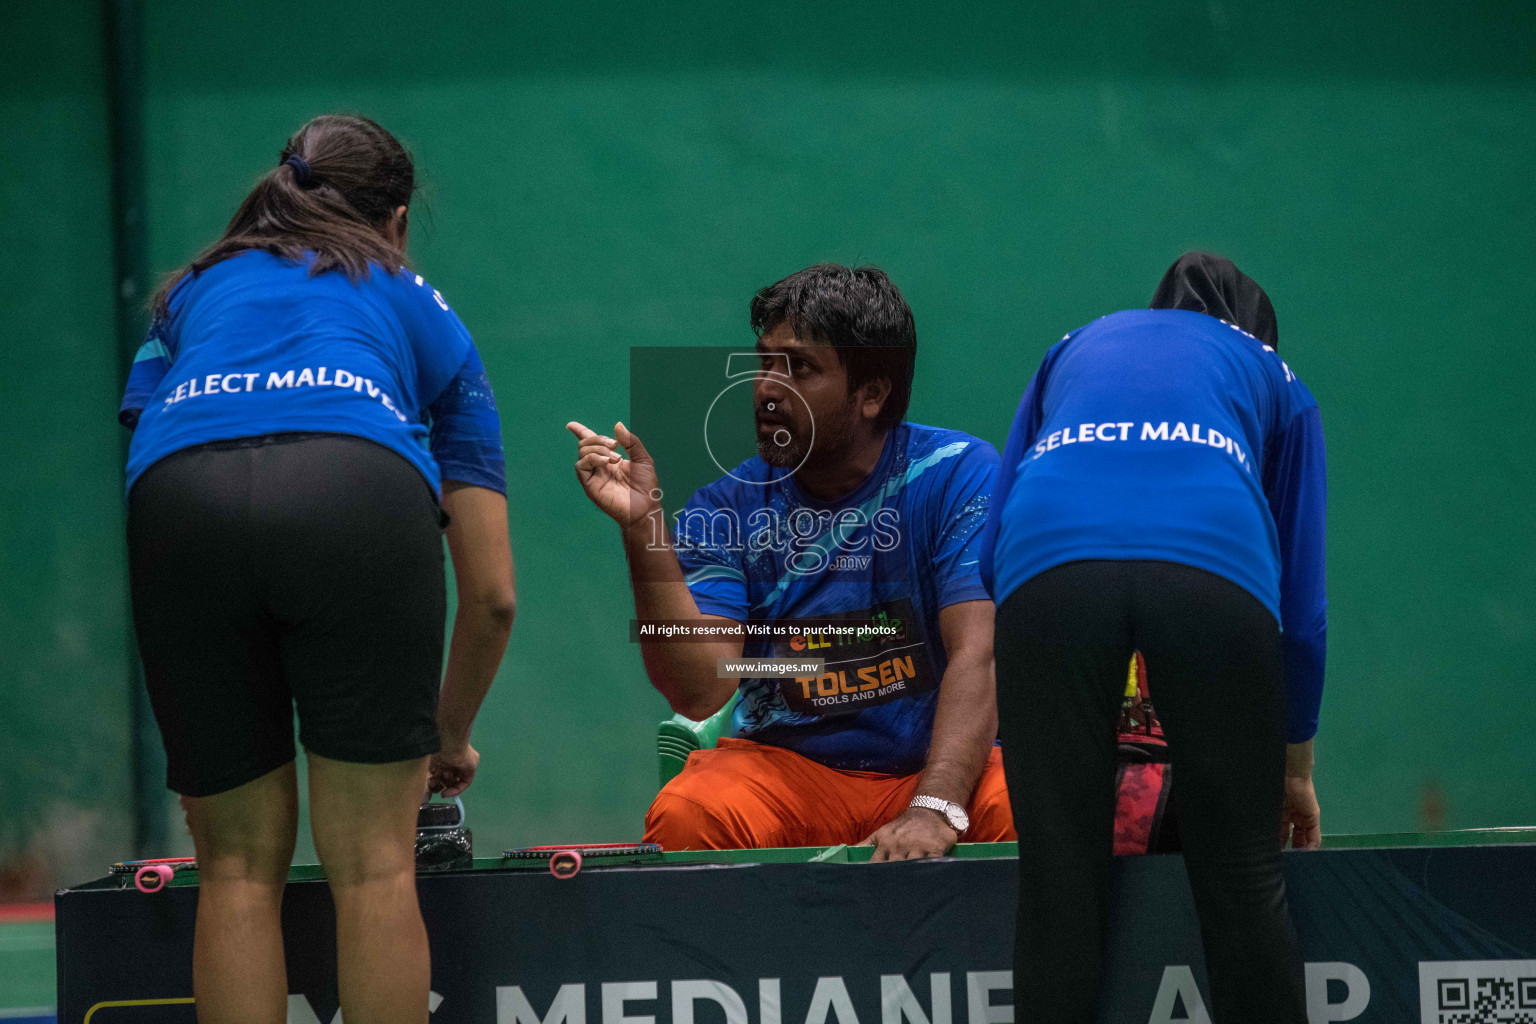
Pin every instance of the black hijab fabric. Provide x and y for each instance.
(1211, 284)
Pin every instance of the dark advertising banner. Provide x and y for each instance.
(1443, 936)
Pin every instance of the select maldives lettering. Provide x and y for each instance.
(1189, 433)
(242, 383)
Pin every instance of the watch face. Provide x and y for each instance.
(957, 817)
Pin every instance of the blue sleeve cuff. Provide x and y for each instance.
(711, 601)
(1304, 657)
(149, 369)
(464, 468)
(968, 588)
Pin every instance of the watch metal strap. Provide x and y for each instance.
(933, 803)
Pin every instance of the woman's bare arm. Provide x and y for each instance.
(481, 550)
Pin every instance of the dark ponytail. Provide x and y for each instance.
(334, 191)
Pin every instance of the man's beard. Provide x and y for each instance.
(785, 456)
(831, 441)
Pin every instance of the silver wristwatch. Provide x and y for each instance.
(953, 813)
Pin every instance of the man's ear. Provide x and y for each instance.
(873, 395)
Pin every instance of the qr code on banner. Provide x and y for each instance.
(1477, 992)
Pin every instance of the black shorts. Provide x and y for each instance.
(288, 569)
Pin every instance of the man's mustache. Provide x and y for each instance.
(771, 416)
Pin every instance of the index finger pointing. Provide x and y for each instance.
(581, 432)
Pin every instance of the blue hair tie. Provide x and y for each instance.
(300, 170)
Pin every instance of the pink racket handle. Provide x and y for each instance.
(152, 877)
(565, 864)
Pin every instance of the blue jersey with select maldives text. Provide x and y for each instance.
(257, 345)
(1173, 436)
(892, 553)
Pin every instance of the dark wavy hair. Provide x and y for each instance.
(334, 200)
(860, 313)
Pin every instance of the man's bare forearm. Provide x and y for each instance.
(964, 730)
(684, 673)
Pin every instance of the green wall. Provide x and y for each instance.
(65, 786)
(601, 179)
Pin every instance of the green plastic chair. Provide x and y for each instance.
(678, 737)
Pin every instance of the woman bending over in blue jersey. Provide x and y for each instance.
(1163, 490)
(309, 415)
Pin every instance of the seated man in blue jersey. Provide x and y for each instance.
(847, 512)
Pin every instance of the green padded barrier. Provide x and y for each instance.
(26, 968)
(1453, 837)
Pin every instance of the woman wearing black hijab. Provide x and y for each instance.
(1163, 490)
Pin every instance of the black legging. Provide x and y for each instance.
(1213, 668)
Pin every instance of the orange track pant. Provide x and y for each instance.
(744, 795)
